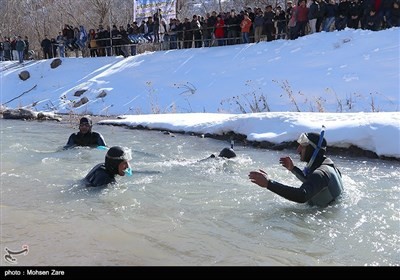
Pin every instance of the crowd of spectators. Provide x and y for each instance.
(217, 29)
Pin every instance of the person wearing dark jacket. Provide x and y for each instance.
(85, 136)
(395, 14)
(20, 47)
(321, 180)
(115, 163)
(46, 47)
(372, 21)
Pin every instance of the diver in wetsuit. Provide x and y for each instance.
(322, 181)
(85, 136)
(225, 153)
(116, 163)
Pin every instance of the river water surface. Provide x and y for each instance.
(177, 210)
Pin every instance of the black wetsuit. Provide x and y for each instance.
(104, 173)
(88, 139)
(320, 187)
(99, 176)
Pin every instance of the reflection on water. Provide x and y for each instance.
(178, 209)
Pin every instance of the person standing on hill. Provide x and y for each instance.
(46, 48)
(26, 50)
(20, 47)
(322, 181)
(85, 136)
(219, 32)
(245, 28)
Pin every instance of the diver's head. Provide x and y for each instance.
(85, 125)
(116, 160)
(308, 142)
(227, 153)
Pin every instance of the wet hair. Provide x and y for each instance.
(227, 153)
(114, 157)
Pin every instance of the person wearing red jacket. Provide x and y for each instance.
(219, 31)
(245, 28)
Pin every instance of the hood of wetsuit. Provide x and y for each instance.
(311, 139)
(227, 153)
(114, 157)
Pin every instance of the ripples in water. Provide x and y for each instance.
(178, 209)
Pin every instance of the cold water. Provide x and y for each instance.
(179, 210)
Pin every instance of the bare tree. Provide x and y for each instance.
(101, 9)
(35, 18)
(35, 15)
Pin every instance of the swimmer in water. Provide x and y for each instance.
(321, 180)
(116, 163)
(225, 153)
(85, 136)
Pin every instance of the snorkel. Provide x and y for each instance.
(317, 148)
(128, 171)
